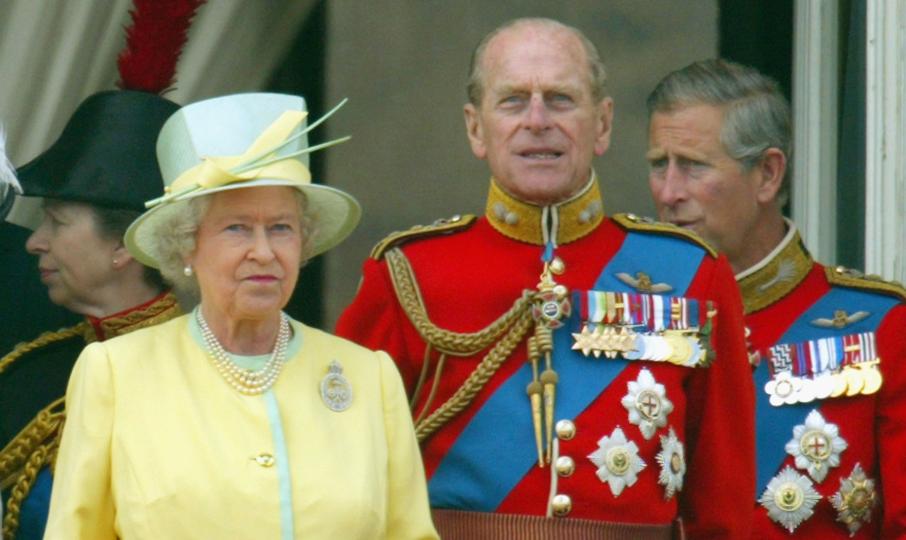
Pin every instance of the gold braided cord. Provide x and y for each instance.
(23, 486)
(46, 426)
(441, 360)
(44, 339)
(477, 379)
(161, 310)
(446, 341)
(422, 376)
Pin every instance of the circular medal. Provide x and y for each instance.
(872, 377)
(638, 351)
(824, 385)
(680, 350)
(854, 381)
(806, 392)
(839, 384)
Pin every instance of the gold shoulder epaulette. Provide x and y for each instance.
(633, 222)
(847, 277)
(41, 341)
(441, 226)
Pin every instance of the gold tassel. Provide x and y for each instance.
(534, 391)
(549, 381)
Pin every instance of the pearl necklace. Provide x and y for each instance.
(246, 381)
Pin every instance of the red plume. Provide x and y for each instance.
(154, 43)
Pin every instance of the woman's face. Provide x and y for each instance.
(74, 259)
(248, 252)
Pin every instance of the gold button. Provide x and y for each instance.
(565, 466)
(561, 504)
(265, 460)
(566, 430)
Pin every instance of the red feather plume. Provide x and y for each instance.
(154, 43)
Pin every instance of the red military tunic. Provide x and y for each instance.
(469, 276)
(792, 300)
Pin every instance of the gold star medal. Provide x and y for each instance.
(855, 500)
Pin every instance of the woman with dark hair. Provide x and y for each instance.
(91, 183)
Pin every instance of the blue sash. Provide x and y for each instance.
(774, 425)
(35, 507)
(497, 449)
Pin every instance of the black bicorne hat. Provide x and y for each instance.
(106, 153)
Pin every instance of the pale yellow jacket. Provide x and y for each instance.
(158, 446)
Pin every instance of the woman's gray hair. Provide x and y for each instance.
(757, 114)
(173, 239)
(596, 72)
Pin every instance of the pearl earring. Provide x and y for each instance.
(187, 270)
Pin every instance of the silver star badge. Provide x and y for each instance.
(617, 460)
(647, 403)
(789, 499)
(816, 445)
(673, 464)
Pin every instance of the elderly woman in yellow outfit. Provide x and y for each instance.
(235, 421)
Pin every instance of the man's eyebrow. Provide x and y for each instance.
(511, 89)
(655, 153)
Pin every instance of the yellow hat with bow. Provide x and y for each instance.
(237, 142)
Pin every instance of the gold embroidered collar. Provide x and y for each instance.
(158, 310)
(777, 274)
(565, 222)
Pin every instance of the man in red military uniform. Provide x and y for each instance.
(828, 344)
(572, 375)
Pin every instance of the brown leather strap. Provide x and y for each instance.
(462, 525)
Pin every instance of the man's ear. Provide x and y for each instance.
(771, 171)
(604, 119)
(475, 131)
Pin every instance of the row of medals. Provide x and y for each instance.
(679, 347)
(863, 378)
